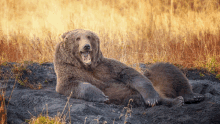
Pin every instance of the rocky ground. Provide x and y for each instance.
(30, 90)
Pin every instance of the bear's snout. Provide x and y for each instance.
(87, 47)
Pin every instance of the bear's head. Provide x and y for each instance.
(84, 46)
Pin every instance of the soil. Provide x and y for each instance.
(30, 91)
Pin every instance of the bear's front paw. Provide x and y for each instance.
(153, 100)
(95, 95)
(90, 92)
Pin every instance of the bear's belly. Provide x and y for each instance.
(120, 94)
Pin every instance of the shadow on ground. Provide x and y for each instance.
(26, 102)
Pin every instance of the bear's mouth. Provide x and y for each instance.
(86, 57)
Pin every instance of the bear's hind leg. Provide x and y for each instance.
(178, 101)
(193, 97)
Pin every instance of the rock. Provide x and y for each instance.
(26, 102)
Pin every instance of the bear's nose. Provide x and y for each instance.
(86, 47)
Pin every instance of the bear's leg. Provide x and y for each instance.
(90, 92)
(178, 101)
(193, 97)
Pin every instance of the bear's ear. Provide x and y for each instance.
(63, 39)
(65, 34)
(96, 37)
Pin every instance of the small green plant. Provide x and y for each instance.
(4, 63)
(19, 71)
(27, 121)
(44, 120)
(201, 74)
(212, 65)
(20, 82)
(217, 76)
(178, 66)
(28, 62)
(58, 119)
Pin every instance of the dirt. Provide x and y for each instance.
(33, 87)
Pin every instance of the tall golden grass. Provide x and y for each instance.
(185, 32)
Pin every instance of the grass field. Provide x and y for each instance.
(181, 32)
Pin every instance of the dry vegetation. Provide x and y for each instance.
(183, 32)
(3, 116)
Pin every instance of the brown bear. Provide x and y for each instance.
(81, 69)
(170, 82)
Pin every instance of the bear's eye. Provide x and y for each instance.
(88, 37)
(78, 38)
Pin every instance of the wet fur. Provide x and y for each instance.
(170, 82)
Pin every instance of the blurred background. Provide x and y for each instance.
(183, 32)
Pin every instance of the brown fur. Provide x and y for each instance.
(170, 82)
(81, 68)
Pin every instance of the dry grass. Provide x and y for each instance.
(60, 118)
(42, 119)
(182, 32)
(3, 117)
